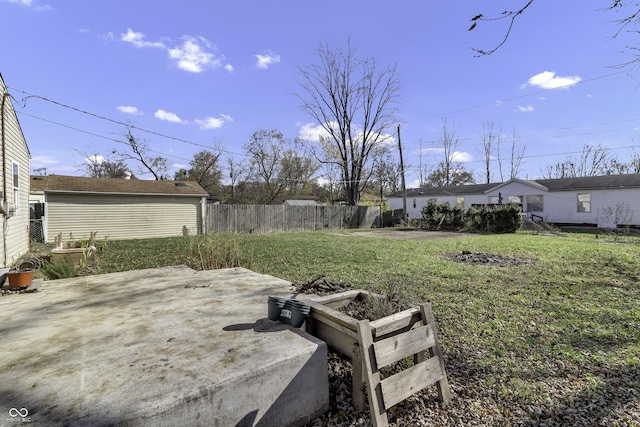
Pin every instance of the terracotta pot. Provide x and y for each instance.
(19, 279)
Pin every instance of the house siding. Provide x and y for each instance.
(121, 216)
(14, 232)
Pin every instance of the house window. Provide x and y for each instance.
(515, 199)
(584, 202)
(16, 185)
(460, 202)
(534, 203)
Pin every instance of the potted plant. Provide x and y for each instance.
(21, 275)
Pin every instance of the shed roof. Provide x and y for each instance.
(81, 184)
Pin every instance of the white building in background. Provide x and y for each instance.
(603, 201)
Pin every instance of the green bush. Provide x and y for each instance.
(504, 219)
(442, 216)
(491, 218)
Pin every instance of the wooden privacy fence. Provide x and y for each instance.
(281, 218)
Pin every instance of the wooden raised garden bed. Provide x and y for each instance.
(340, 331)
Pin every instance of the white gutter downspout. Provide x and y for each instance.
(4, 176)
(203, 208)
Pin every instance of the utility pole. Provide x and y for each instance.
(405, 217)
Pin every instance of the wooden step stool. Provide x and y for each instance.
(428, 368)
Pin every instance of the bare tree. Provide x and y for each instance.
(266, 150)
(354, 100)
(518, 148)
(297, 168)
(449, 170)
(96, 165)
(456, 176)
(205, 170)
(630, 19)
(491, 139)
(385, 171)
(634, 163)
(42, 171)
(509, 15)
(593, 160)
(238, 175)
(139, 152)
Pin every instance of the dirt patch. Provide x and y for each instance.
(480, 258)
(405, 234)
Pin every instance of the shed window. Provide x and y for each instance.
(584, 202)
(16, 185)
(534, 203)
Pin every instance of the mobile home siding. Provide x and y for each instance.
(121, 216)
(15, 228)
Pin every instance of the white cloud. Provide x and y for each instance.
(138, 39)
(128, 109)
(42, 161)
(549, 80)
(461, 156)
(193, 56)
(167, 116)
(312, 132)
(214, 122)
(29, 3)
(22, 2)
(229, 68)
(264, 61)
(526, 109)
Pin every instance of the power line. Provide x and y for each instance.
(23, 103)
(94, 134)
(528, 94)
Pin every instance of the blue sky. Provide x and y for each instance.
(205, 72)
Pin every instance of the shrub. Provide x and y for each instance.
(59, 268)
(442, 216)
(504, 219)
(491, 218)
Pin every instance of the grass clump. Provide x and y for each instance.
(59, 268)
(212, 252)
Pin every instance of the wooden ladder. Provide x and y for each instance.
(428, 368)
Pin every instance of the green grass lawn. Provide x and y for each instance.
(547, 343)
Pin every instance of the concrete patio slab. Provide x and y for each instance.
(158, 347)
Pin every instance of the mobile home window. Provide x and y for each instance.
(534, 203)
(584, 202)
(16, 185)
(515, 199)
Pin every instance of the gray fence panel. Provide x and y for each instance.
(280, 218)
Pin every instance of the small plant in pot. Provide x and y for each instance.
(21, 275)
